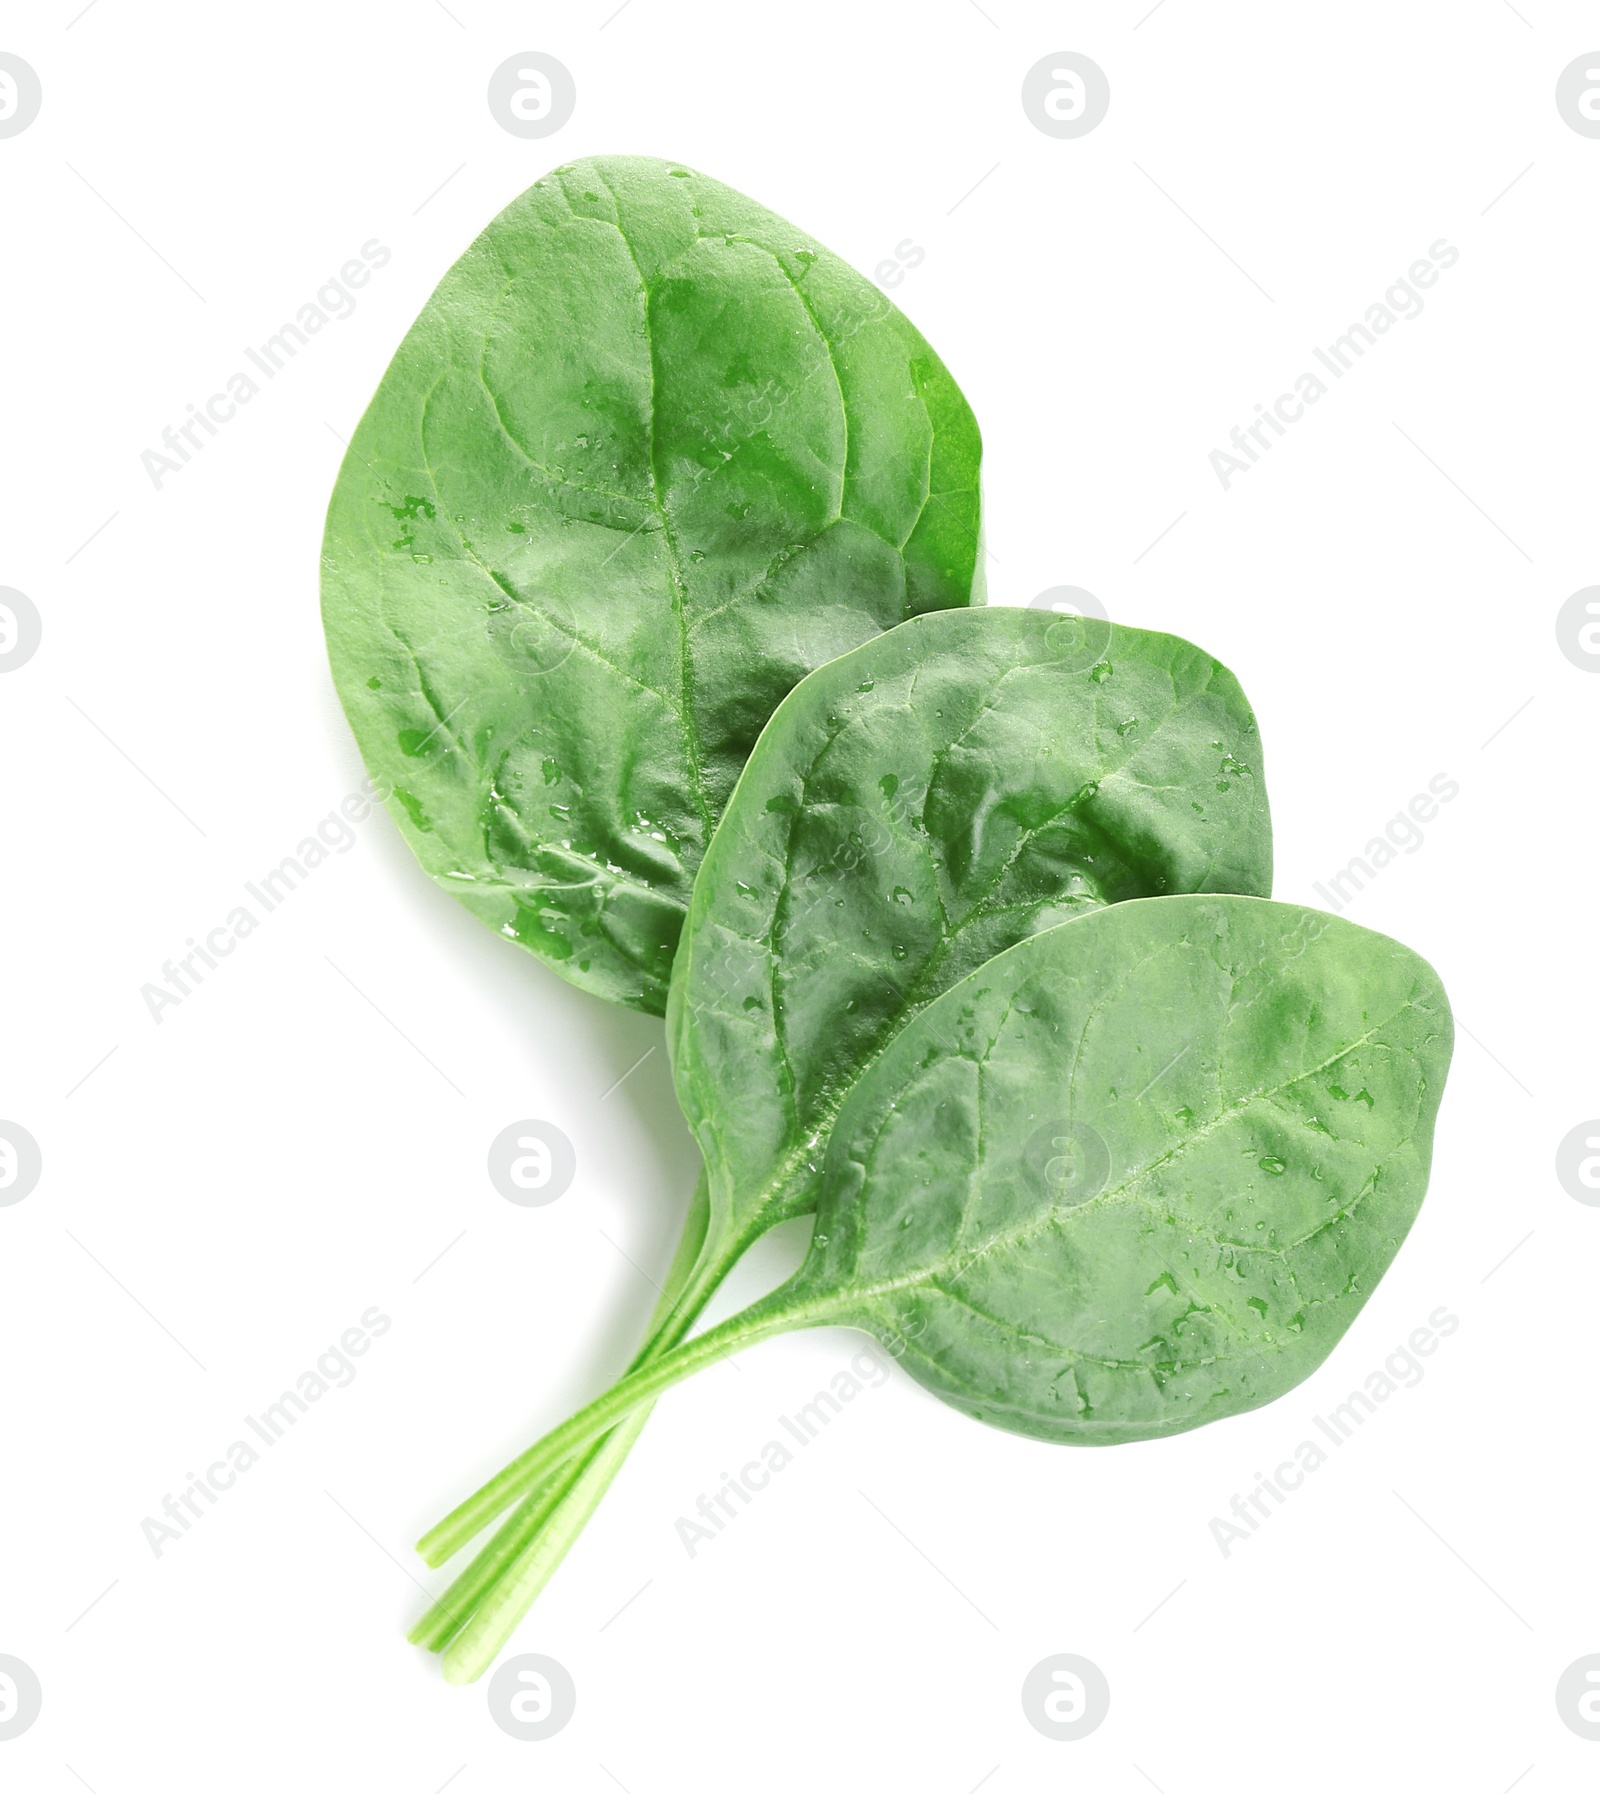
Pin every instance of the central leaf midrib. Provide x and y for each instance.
(679, 584)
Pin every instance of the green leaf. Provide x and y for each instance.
(647, 457)
(913, 809)
(1140, 1172)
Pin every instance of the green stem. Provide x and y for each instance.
(453, 1610)
(688, 1291)
(456, 1606)
(526, 1553)
(470, 1651)
(575, 1493)
(519, 1550)
(775, 1314)
(697, 1272)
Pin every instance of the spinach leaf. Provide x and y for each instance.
(648, 455)
(1138, 1173)
(914, 809)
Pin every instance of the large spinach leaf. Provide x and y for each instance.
(1142, 1172)
(1138, 1173)
(648, 456)
(913, 810)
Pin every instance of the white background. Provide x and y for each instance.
(233, 1187)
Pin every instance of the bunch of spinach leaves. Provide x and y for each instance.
(648, 587)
